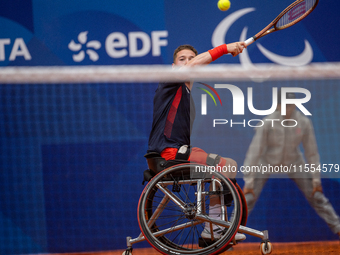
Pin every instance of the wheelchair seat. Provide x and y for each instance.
(156, 163)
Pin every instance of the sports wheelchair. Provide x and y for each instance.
(173, 209)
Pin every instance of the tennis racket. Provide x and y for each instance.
(294, 13)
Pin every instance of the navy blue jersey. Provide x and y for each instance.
(173, 116)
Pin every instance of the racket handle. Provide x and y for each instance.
(249, 41)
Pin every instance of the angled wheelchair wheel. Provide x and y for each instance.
(173, 211)
(244, 216)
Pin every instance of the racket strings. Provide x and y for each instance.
(296, 13)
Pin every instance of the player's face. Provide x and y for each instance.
(183, 57)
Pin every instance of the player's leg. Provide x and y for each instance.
(226, 163)
(320, 203)
(225, 166)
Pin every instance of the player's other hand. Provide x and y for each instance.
(236, 48)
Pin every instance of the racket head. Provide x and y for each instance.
(294, 13)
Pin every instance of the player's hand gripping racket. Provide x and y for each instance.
(294, 13)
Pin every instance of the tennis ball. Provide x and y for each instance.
(223, 5)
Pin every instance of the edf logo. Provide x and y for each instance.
(118, 45)
(238, 99)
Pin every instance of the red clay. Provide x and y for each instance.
(305, 248)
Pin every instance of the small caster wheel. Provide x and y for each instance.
(266, 247)
(128, 251)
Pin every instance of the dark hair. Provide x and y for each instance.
(184, 47)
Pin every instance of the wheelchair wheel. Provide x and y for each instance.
(173, 212)
(244, 216)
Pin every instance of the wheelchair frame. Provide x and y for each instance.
(161, 175)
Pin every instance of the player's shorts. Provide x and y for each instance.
(196, 155)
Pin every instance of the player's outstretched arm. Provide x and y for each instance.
(207, 57)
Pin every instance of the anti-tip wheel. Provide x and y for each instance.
(266, 247)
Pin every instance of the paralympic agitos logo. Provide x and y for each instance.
(221, 30)
(239, 103)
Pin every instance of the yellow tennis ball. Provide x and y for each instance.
(223, 5)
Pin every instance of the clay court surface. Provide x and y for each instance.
(319, 248)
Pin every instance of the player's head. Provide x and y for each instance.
(183, 54)
(289, 107)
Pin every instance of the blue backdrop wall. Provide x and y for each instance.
(71, 155)
(37, 32)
